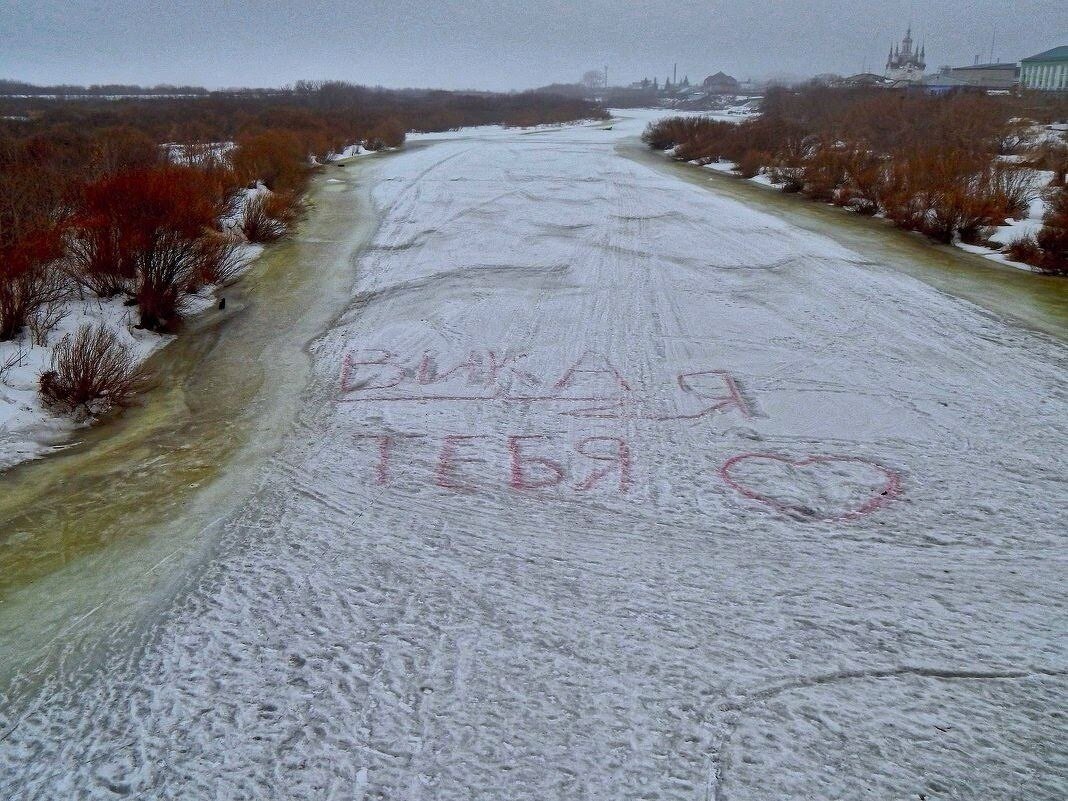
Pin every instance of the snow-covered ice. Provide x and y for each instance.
(609, 487)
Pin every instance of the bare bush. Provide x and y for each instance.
(1052, 156)
(1025, 250)
(1012, 191)
(268, 218)
(824, 172)
(1047, 250)
(285, 207)
(257, 225)
(865, 182)
(276, 157)
(387, 133)
(44, 320)
(23, 293)
(92, 372)
(164, 271)
(1053, 236)
(931, 164)
(122, 220)
(219, 261)
(787, 174)
(697, 132)
(95, 260)
(751, 162)
(119, 148)
(11, 361)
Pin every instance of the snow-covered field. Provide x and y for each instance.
(609, 487)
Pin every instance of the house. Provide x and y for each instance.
(866, 79)
(978, 77)
(1047, 71)
(721, 84)
(944, 83)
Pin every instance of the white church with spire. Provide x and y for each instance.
(906, 62)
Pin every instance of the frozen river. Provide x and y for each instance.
(608, 486)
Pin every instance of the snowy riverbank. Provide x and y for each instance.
(29, 429)
(1001, 236)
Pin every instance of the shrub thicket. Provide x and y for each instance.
(269, 217)
(129, 196)
(1048, 248)
(88, 189)
(930, 164)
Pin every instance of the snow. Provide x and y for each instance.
(721, 166)
(495, 130)
(198, 154)
(765, 180)
(351, 153)
(28, 430)
(712, 508)
(1014, 230)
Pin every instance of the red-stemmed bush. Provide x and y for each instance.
(120, 148)
(218, 261)
(120, 216)
(33, 186)
(257, 225)
(1047, 249)
(269, 217)
(751, 162)
(139, 232)
(164, 273)
(92, 372)
(28, 278)
(275, 157)
(931, 164)
(387, 133)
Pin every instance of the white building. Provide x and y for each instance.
(1047, 71)
(905, 62)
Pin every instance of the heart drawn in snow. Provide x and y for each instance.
(813, 487)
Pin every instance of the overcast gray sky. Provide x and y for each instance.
(495, 44)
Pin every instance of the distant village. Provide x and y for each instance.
(906, 67)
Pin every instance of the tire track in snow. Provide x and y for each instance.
(588, 644)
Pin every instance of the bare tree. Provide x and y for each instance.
(593, 79)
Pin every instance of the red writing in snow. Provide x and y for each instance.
(522, 462)
(590, 386)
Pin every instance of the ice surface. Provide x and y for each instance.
(609, 487)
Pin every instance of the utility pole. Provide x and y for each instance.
(675, 75)
(605, 76)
